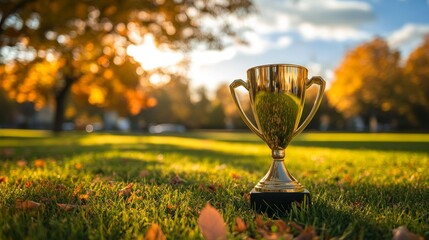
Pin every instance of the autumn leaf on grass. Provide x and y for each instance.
(275, 229)
(78, 166)
(211, 224)
(154, 233)
(402, 233)
(21, 163)
(27, 205)
(307, 234)
(39, 163)
(235, 176)
(3, 179)
(126, 191)
(240, 226)
(176, 180)
(66, 207)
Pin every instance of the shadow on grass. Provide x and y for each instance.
(366, 211)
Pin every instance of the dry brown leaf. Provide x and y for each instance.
(154, 233)
(402, 233)
(27, 205)
(39, 163)
(282, 227)
(307, 234)
(235, 176)
(3, 179)
(246, 197)
(240, 226)
(28, 184)
(211, 224)
(126, 191)
(21, 163)
(77, 190)
(176, 180)
(296, 226)
(259, 222)
(66, 207)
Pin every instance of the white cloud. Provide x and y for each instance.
(313, 32)
(313, 19)
(330, 20)
(283, 42)
(409, 36)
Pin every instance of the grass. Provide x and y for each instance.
(362, 185)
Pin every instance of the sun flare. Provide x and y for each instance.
(150, 57)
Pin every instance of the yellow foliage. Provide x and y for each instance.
(368, 79)
(96, 96)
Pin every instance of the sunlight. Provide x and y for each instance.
(150, 57)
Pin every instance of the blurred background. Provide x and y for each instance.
(165, 65)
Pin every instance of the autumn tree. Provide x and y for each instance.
(173, 103)
(368, 83)
(51, 47)
(416, 75)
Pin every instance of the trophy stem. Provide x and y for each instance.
(278, 178)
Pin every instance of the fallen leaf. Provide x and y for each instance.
(21, 163)
(296, 226)
(126, 191)
(39, 163)
(27, 205)
(176, 180)
(235, 176)
(247, 197)
(211, 224)
(78, 166)
(28, 184)
(240, 226)
(259, 222)
(402, 233)
(154, 233)
(282, 227)
(66, 207)
(348, 179)
(3, 179)
(307, 234)
(77, 189)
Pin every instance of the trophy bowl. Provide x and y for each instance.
(277, 96)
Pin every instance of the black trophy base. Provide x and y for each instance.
(278, 203)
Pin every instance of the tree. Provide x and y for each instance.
(416, 73)
(202, 109)
(51, 47)
(173, 103)
(368, 83)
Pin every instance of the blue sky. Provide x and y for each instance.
(312, 33)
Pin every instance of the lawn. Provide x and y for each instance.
(116, 186)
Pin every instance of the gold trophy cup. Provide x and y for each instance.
(277, 95)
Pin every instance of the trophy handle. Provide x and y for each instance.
(236, 83)
(319, 81)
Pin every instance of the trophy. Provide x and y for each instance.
(277, 95)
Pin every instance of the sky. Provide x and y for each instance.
(312, 33)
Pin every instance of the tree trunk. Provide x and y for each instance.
(60, 104)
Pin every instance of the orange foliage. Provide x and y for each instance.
(368, 80)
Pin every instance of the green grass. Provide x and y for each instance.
(362, 185)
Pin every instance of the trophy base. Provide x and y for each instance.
(278, 203)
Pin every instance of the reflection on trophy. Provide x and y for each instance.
(277, 95)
